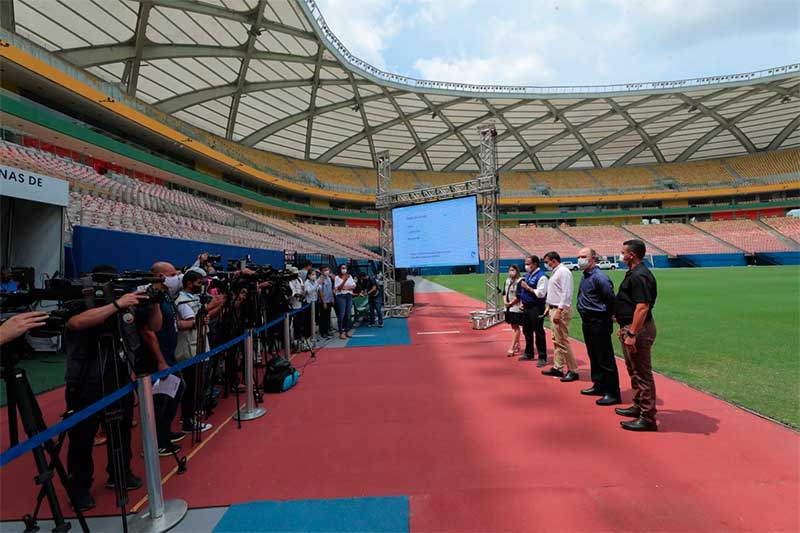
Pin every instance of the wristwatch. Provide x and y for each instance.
(114, 302)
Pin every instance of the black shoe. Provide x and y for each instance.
(164, 452)
(609, 399)
(177, 436)
(640, 424)
(632, 411)
(541, 362)
(133, 482)
(594, 390)
(553, 372)
(571, 376)
(84, 503)
(526, 357)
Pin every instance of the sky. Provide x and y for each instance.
(567, 42)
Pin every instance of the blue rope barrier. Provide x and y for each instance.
(53, 431)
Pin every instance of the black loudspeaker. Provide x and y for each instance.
(407, 292)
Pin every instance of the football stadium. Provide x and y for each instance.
(254, 282)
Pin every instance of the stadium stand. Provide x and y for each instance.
(560, 180)
(679, 239)
(329, 176)
(625, 178)
(789, 227)
(782, 163)
(605, 240)
(747, 235)
(538, 240)
(696, 172)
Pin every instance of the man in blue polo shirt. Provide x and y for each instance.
(532, 291)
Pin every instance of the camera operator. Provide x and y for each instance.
(188, 304)
(88, 379)
(160, 347)
(204, 261)
(20, 324)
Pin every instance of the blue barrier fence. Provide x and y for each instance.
(53, 431)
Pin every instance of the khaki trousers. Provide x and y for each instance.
(562, 351)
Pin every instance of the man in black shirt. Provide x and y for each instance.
(89, 377)
(637, 332)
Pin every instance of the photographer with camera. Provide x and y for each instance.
(20, 324)
(189, 302)
(159, 351)
(90, 377)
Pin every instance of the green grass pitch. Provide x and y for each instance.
(734, 332)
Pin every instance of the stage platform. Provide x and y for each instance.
(448, 434)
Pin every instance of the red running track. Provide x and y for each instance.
(481, 442)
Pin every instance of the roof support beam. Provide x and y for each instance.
(680, 125)
(354, 139)
(257, 136)
(458, 133)
(451, 131)
(558, 115)
(723, 122)
(628, 129)
(7, 19)
(92, 56)
(784, 134)
(699, 143)
(182, 101)
(509, 127)
(638, 129)
(250, 47)
(139, 39)
(312, 103)
(411, 130)
(359, 103)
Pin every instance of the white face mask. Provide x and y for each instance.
(174, 284)
(622, 258)
(528, 268)
(583, 263)
(344, 271)
(312, 277)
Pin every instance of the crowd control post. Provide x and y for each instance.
(313, 323)
(251, 410)
(287, 336)
(160, 515)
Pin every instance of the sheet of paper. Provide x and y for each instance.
(168, 385)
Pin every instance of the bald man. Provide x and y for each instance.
(161, 346)
(596, 307)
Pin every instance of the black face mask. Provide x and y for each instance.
(196, 290)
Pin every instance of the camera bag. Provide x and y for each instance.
(279, 376)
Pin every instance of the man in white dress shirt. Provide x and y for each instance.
(559, 302)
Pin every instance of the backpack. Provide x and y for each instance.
(279, 376)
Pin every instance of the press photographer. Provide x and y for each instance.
(100, 344)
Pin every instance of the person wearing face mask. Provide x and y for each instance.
(160, 347)
(531, 291)
(311, 296)
(633, 310)
(596, 307)
(513, 310)
(343, 287)
(326, 300)
(559, 301)
(188, 304)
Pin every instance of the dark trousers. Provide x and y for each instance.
(597, 331)
(532, 326)
(376, 307)
(81, 436)
(640, 369)
(324, 318)
(165, 409)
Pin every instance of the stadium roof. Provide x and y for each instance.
(271, 74)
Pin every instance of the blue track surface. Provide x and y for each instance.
(393, 332)
(380, 515)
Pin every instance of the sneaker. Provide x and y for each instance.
(200, 426)
(526, 358)
(177, 436)
(380, 325)
(370, 325)
(133, 482)
(164, 452)
(541, 362)
(84, 503)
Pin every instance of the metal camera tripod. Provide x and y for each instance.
(22, 402)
